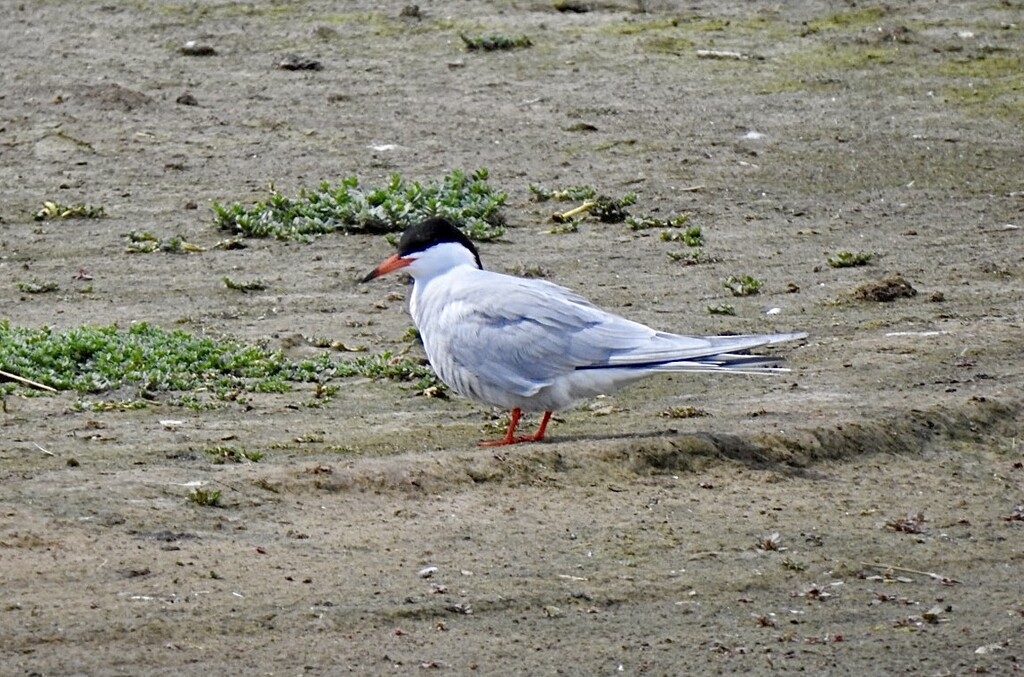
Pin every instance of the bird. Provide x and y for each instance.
(530, 345)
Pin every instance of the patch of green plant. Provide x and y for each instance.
(684, 412)
(322, 395)
(566, 227)
(648, 222)
(194, 403)
(465, 199)
(245, 287)
(867, 17)
(55, 210)
(393, 367)
(742, 285)
(637, 27)
(691, 237)
(229, 454)
(604, 208)
(118, 405)
(574, 193)
(209, 498)
(96, 359)
(987, 84)
(613, 210)
(722, 309)
(850, 259)
(492, 43)
(668, 45)
(529, 271)
(691, 257)
(37, 287)
(144, 242)
(793, 565)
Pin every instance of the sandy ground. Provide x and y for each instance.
(888, 462)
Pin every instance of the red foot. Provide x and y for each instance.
(510, 436)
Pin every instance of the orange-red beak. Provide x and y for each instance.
(386, 266)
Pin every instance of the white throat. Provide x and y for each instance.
(438, 260)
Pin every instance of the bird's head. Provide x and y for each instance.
(429, 248)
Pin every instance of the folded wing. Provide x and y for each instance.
(523, 334)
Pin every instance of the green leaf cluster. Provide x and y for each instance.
(691, 237)
(56, 210)
(491, 43)
(743, 285)
(386, 365)
(465, 199)
(850, 260)
(97, 359)
(574, 193)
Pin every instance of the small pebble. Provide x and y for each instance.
(294, 62)
(193, 48)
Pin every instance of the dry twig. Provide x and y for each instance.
(945, 580)
(24, 381)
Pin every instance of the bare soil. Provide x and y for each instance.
(374, 537)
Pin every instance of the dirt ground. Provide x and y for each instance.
(374, 536)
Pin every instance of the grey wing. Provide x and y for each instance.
(521, 335)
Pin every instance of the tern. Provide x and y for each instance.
(530, 345)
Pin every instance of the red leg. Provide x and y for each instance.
(510, 436)
(539, 435)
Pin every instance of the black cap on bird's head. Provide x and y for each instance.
(421, 237)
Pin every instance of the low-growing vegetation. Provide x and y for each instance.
(742, 285)
(99, 359)
(850, 259)
(467, 200)
(144, 242)
(684, 412)
(55, 210)
(722, 309)
(493, 43)
(209, 498)
(603, 208)
(573, 193)
(691, 237)
(648, 222)
(244, 286)
(229, 454)
(691, 257)
(611, 210)
(38, 287)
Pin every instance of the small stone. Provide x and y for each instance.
(193, 48)
(886, 291)
(186, 99)
(411, 12)
(295, 62)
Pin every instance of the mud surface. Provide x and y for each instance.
(888, 462)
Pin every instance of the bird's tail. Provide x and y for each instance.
(733, 357)
(712, 354)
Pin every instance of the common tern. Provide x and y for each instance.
(530, 345)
